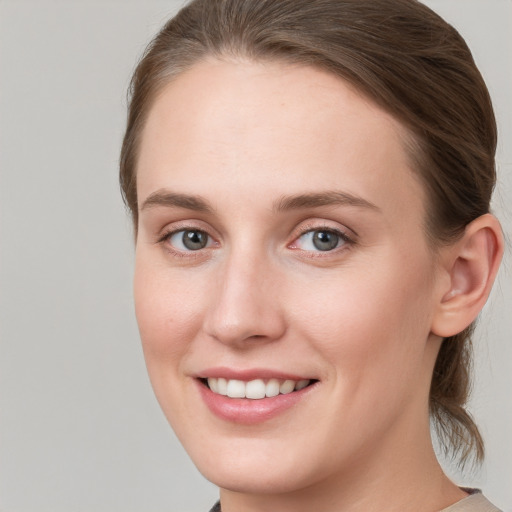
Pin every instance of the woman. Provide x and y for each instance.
(310, 183)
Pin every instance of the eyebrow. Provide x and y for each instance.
(170, 199)
(327, 198)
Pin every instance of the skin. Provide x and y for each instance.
(360, 318)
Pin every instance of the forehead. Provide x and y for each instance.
(245, 124)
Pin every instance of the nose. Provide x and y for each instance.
(245, 305)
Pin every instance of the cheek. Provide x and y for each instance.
(167, 314)
(371, 324)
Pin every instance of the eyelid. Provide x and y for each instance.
(170, 239)
(343, 232)
(187, 225)
(184, 225)
(348, 236)
(343, 237)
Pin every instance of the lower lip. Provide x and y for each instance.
(249, 412)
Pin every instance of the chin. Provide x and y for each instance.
(252, 479)
(252, 467)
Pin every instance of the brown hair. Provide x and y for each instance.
(405, 58)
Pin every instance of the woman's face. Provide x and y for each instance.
(280, 244)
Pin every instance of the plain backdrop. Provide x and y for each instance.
(80, 429)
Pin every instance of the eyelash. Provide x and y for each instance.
(345, 240)
(164, 239)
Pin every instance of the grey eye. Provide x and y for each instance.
(189, 240)
(325, 240)
(320, 240)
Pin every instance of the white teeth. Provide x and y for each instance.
(236, 389)
(272, 388)
(213, 384)
(301, 384)
(254, 389)
(222, 386)
(287, 387)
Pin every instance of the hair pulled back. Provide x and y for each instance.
(407, 60)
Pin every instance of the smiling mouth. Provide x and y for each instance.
(255, 389)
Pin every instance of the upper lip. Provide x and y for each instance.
(249, 374)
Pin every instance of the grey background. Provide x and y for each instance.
(79, 427)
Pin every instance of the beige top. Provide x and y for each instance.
(475, 502)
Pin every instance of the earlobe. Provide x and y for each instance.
(471, 265)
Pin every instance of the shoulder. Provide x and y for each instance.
(475, 502)
(216, 507)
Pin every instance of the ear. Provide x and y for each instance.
(469, 268)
